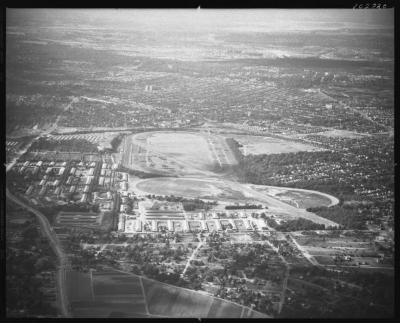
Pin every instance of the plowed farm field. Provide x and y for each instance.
(112, 293)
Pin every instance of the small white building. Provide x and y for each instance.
(123, 208)
(43, 190)
(83, 198)
(121, 222)
(138, 226)
(29, 190)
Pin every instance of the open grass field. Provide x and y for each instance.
(192, 188)
(116, 294)
(338, 133)
(186, 147)
(223, 190)
(324, 249)
(112, 294)
(322, 241)
(79, 287)
(176, 153)
(304, 200)
(257, 145)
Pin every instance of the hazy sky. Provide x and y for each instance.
(246, 20)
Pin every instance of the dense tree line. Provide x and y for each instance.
(138, 173)
(294, 225)
(188, 204)
(69, 145)
(28, 115)
(373, 299)
(25, 261)
(243, 207)
(267, 169)
(259, 169)
(348, 217)
(116, 141)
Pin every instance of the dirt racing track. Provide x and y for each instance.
(196, 163)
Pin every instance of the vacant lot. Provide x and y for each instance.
(257, 145)
(186, 147)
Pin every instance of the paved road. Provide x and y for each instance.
(55, 245)
(285, 280)
(304, 252)
(192, 256)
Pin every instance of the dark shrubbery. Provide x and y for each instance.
(70, 145)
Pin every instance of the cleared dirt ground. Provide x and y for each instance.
(257, 145)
